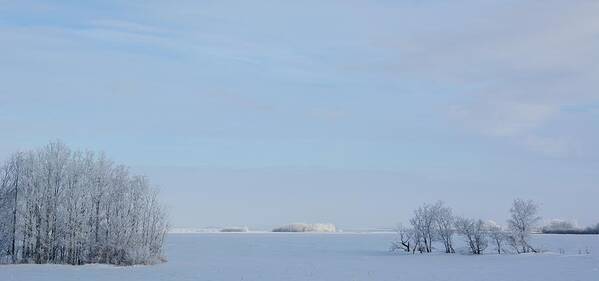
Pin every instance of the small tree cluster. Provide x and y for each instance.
(474, 232)
(64, 206)
(430, 222)
(436, 222)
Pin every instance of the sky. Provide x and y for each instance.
(262, 113)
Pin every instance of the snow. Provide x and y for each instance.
(208, 230)
(330, 257)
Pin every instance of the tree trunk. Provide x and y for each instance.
(14, 218)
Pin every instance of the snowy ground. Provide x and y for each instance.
(330, 257)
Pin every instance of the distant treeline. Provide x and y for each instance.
(304, 227)
(588, 230)
(567, 227)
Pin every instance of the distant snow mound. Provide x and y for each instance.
(235, 229)
(492, 224)
(304, 227)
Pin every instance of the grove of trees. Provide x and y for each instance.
(436, 223)
(63, 206)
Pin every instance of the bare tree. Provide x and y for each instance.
(497, 236)
(423, 224)
(404, 241)
(474, 233)
(444, 222)
(523, 219)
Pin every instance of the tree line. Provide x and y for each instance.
(437, 223)
(565, 227)
(76, 207)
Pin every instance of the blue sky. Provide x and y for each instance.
(353, 112)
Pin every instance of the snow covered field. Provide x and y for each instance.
(330, 257)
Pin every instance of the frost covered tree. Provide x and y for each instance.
(444, 222)
(496, 235)
(521, 223)
(474, 233)
(9, 197)
(423, 223)
(404, 241)
(432, 222)
(64, 206)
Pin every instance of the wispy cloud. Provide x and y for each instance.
(128, 26)
(362, 85)
(504, 119)
(555, 147)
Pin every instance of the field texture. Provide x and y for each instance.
(330, 257)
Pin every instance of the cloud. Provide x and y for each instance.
(555, 147)
(504, 119)
(512, 69)
(504, 69)
(523, 125)
(328, 114)
(128, 26)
